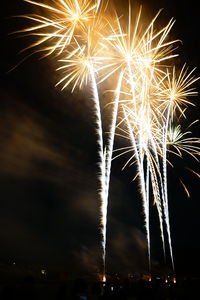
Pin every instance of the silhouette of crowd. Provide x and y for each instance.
(141, 290)
(80, 289)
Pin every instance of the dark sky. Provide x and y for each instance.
(49, 207)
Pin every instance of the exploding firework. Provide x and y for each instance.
(58, 23)
(81, 66)
(153, 134)
(152, 97)
(135, 54)
(74, 28)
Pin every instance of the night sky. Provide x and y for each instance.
(49, 206)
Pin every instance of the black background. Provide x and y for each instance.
(49, 207)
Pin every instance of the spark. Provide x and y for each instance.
(56, 26)
(194, 172)
(175, 89)
(83, 53)
(181, 143)
(185, 188)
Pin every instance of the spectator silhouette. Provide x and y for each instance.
(27, 290)
(80, 290)
(144, 290)
(62, 292)
(9, 292)
(96, 291)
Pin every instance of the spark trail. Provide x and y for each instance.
(81, 68)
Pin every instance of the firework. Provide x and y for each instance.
(72, 28)
(152, 97)
(80, 67)
(180, 143)
(152, 133)
(135, 54)
(58, 23)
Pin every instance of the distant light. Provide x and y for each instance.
(174, 280)
(43, 272)
(14, 263)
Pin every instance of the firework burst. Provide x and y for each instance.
(91, 48)
(59, 23)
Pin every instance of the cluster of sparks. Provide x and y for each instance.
(149, 94)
